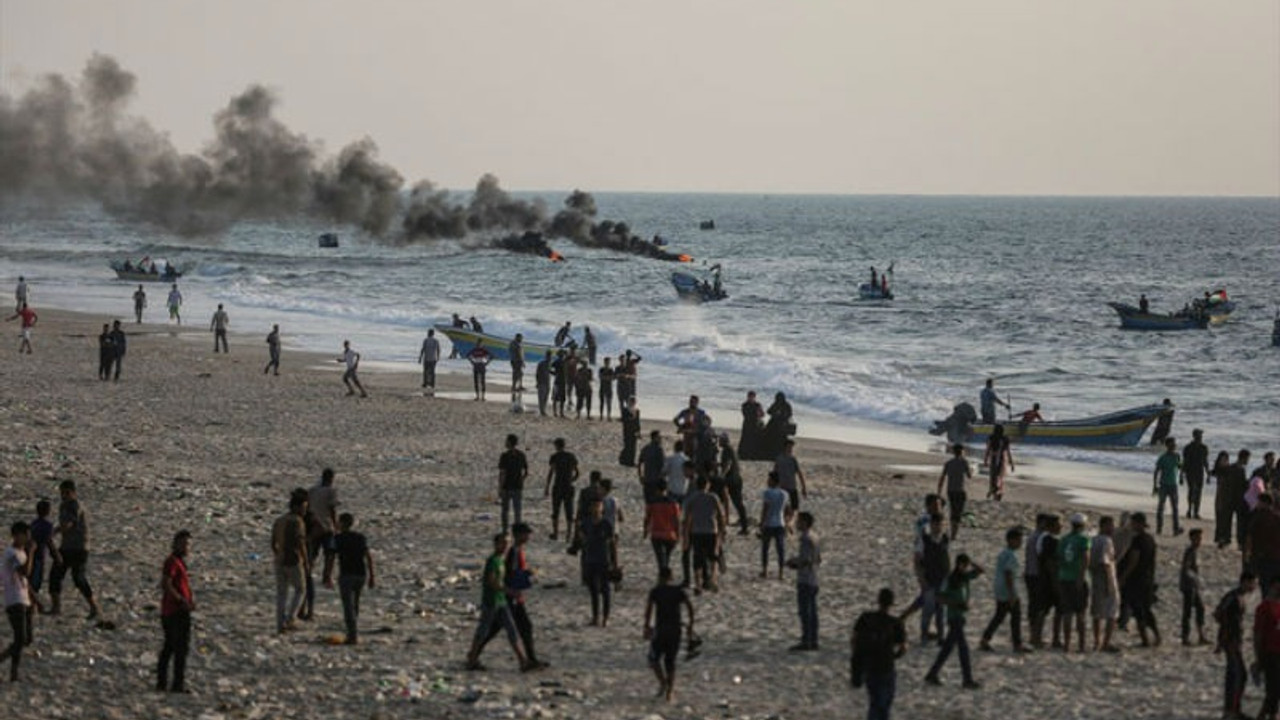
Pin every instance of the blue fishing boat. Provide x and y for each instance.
(699, 287)
(1118, 429)
(1132, 318)
(464, 339)
(867, 291)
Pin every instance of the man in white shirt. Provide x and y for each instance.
(352, 359)
(673, 469)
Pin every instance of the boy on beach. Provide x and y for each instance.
(1164, 482)
(17, 599)
(662, 524)
(479, 358)
(355, 568)
(29, 319)
(775, 515)
(139, 303)
(878, 639)
(562, 473)
(352, 360)
(289, 550)
(176, 606)
(932, 563)
(665, 601)
(219, 327)
(1190, 586)
(41, 548)
(1073, 566)
(1104, 599)
(175, 304)
(1138, 579)
(73, 554)
(273, 351)
(513, 468)
(519, 578)
(493, 608)
(955, 594)
(806, 563)
(954, 474)
(1230, 615)
(789, 474)
(120, 344)
(1006, 593)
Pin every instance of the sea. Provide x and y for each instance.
(1010, 288)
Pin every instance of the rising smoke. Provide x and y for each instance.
(73, 141)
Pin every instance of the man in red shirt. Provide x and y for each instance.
(1266, 647)
(29, 318)
(175, 616)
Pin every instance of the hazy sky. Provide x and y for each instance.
(840, 96)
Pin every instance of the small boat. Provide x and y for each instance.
(867, 291)
(707, 225)
(328, 240)
(697, 287)
(148, 270)
(1118, 429)
(1132, 318)
(464, 339)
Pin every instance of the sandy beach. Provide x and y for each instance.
(189, 439)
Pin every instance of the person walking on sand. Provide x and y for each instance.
(598, 539)
(1164, 482)
(662, 628)
(479, 358)
(106, 353)
(932, 564)
(29, 318)
(1266, 647)
(605, 391)
(562, 473)
(519, 578)
(774, 518)
(513, 468)
(1229, 614)
(789, 473)
(1104, 599)
(428, 356)
(1138, 579)
(806, 563)
(1005, 586)
(175, 304)
(21, 293)
(703, 530)
(589, 344)
(1192, 588)
(219, 327)
(515, 352)
(1073, 592)
(355, 570)
(1195, 468)
(321, 521)
(176, 605)
(630, 416)
(119, 343)
(352, 360)
(273, 351)
(289, 550)
(878, 639)
(542, 381)
(662, 522)
(955, 594)
(73, 553)
(494, 609)
(42, 549)
(731, 471)
(999, 461)
(954, 474)
(139, 303)
(15, 567)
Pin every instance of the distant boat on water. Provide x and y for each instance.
(1132, 318)
(148, 270)
(328, 240)
(707, 225)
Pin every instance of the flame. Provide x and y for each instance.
(685, 258)
(555, 257)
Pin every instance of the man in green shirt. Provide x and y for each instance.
(955, 593)
(1073, 568)
(493, 607)
(1164, 482)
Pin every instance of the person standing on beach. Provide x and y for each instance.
(774, 519)
(571, 375)
(583, 391)
(42, 549)
(673, 469)
(1046, 552)
(988, 400)
(662, 522)
(515, 354)
(29, 318)
(219, 327)
(139, 303)
(1195, 468)
(106, 353)
(932, 564)
(955, 594)
(1073, 592)
(1005, 588)
(175, 304)
(878, 639)
(954, 474)
(559, 389)
(1164, 482)
(176, 605)
(1229, 613)
(352, 360)
(542, 380)
(21, 294)
(429, 355)
(14, 568)
(1104, 600)
(73, 553)
(119, 343)
(355, 569)
(1229, 502)
(630, 432)
(289, 551)
(1192, 588)
(562, 473)
(605, 391)
(273, 351)
(513, 468)
(494, 609)
(1138, 579)
(1262, 543)
(598, 552)
(999, 462)
(703, 530)
(479, 358)
(731, 471)
(806, 563)
(322, 523)
(789, 472)
(589, 343)
(1266, 647)
(665, 601)
(652, 464)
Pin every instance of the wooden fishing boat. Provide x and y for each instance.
(148, 270)
(1132, 318)
(1118, 429)
(699, 287)
(464, 339)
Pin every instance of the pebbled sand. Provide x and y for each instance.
(190, 439)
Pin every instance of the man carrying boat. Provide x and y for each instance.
(988, 401)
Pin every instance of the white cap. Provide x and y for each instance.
(1079, 519)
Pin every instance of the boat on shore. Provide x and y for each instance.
(1132, 318)
(464, 339)
(699, 287)
(148, 270)
(1124, 428)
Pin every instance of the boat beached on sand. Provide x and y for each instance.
(1118, 429)
(464, 339)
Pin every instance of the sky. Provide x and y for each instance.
(984, 97)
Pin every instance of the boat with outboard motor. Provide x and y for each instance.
(1124, 428)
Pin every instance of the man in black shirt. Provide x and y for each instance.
(1233, 480)
(1138, 578)
(664, 635)
(512, 470)
(542, 378)
(878, 639)
(561, 475)
(355, 566)
(1195, 467)
(1230, 615)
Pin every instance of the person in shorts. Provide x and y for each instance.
(662, 628)
(352, 360)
